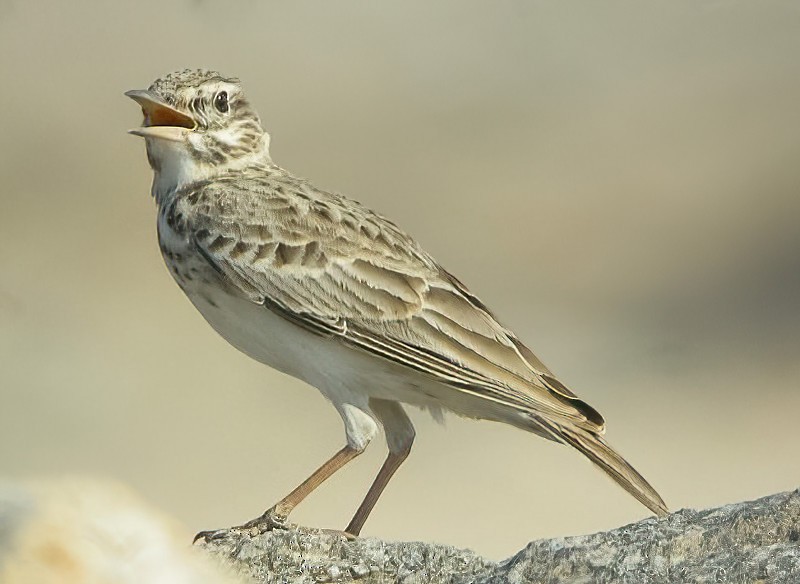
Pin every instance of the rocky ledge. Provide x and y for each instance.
(757, 541)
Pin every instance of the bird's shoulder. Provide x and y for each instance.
(278, 237)
(269, 215)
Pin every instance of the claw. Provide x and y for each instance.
(210, 535)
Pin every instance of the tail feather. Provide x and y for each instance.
(593, 447)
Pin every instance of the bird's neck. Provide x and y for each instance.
(174, 167)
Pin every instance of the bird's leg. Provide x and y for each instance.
(276, 516)
(390, 466)
(399, 437)
(278, 513)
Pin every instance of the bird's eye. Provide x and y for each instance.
(221, 102)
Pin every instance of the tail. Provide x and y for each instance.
(593, 447)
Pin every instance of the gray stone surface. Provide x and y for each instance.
(758, 541)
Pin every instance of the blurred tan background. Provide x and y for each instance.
(620, 181)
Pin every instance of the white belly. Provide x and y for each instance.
(263, 335)
(343, 374)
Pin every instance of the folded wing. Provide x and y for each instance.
(340, 269)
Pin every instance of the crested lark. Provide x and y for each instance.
(319, 287)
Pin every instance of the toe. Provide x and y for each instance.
(211, 535)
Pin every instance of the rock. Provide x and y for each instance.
(758, 541)
(87, 531)
(308, 555)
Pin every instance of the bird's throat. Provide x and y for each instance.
(173, 167)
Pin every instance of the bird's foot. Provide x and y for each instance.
(269, 521)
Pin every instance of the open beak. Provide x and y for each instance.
(161, 120)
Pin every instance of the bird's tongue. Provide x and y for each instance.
(157, 115)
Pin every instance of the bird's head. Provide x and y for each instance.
(198, 123)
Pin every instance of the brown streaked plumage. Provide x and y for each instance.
(322, 288)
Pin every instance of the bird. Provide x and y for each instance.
(319, 287)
